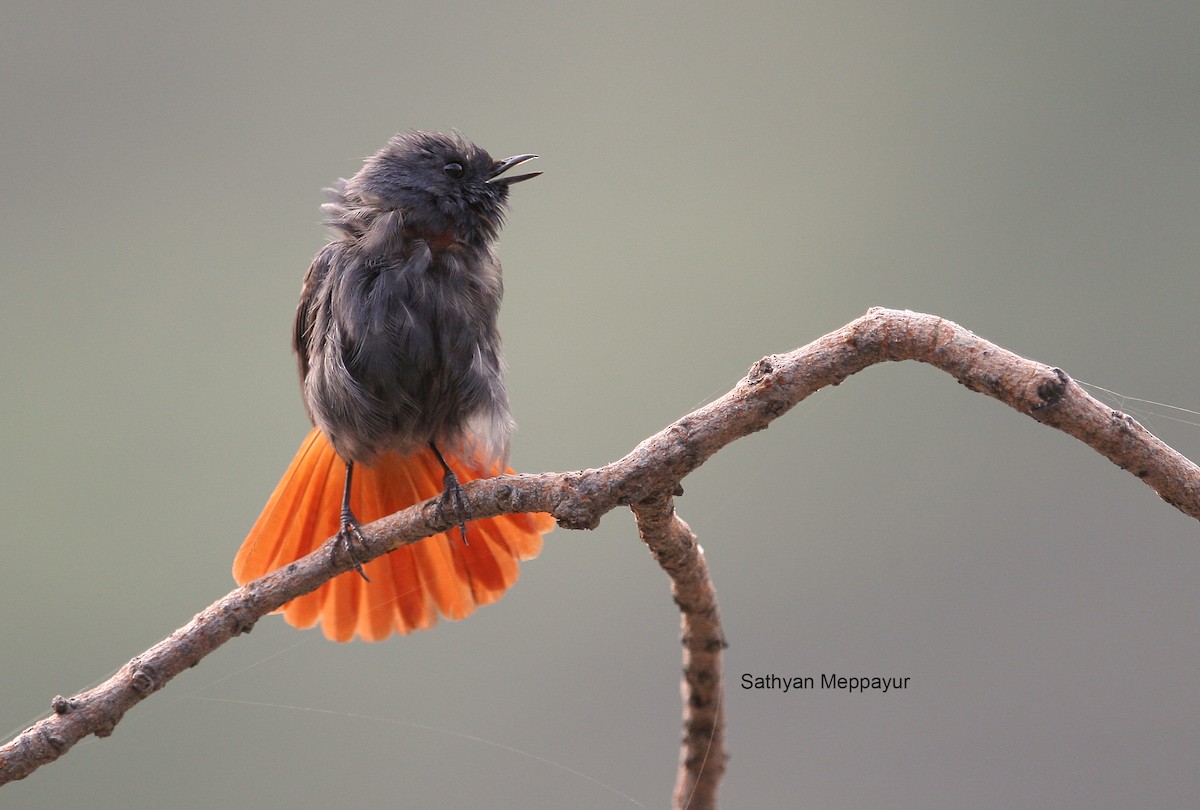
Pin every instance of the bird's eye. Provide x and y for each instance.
(455, 170)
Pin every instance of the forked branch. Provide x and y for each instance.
(645, 480)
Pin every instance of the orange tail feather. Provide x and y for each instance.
(408, 587)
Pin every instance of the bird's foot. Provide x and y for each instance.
(350, 535)
(454, 494)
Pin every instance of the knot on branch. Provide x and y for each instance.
(239, 618)
(761, 370)
(55, 741)
(582, 500)
(1052, 389)
(144, 679)
(506, 496)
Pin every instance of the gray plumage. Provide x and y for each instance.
(396, 332)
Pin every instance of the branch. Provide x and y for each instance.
(646, 479)
(702, 752)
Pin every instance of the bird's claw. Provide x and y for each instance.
(453, 492)
(350, 533)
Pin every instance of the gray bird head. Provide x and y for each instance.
(444, 186)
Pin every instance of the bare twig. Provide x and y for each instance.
(702, 751)
(645, 479)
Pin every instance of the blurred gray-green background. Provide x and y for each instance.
(722, 181)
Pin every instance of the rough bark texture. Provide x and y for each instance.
(646, 479)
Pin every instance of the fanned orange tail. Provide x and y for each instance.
(409, 586)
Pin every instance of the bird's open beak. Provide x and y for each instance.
(501, 166)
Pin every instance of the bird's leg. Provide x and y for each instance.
(453, 492)
(350, 530)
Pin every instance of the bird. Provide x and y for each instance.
(403, 377)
